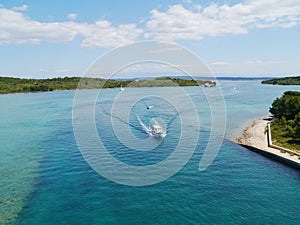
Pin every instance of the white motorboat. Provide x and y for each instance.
(155, 129)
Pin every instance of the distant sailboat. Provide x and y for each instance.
(121, 88)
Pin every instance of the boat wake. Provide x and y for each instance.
(157, 126)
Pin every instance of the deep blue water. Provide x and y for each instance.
(45, 180)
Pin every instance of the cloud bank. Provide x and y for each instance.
(178, 22)
(16, 28)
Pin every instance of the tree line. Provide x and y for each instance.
(283, 81)
(18, 85)
(286, 111)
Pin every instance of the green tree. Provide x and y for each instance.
(288, 105)
(297, 126)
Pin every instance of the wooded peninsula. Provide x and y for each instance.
(283, 81)
(19, 85)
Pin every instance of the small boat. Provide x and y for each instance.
(121, 88)
(149, 107)
(155, 129)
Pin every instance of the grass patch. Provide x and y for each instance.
(280, 137)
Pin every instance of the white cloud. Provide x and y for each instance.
(265, 62)
(166, 50)
(180, 23)
(220, 63)
(193, 22)
(72, 16)
(20, 8)
(103, 33)
(16, 28)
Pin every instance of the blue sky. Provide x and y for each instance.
(235, 38)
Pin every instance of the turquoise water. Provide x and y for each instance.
(45, 180)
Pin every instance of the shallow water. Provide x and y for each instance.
(45, 180)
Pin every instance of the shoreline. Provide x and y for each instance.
(255, 138)
(75, 89)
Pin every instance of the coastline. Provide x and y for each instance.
(75, 89)
(255, 138)
(24, 85)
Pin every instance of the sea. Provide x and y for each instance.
(48, 177)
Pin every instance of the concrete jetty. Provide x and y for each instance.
(257, 138)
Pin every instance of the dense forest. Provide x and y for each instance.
(286, 124)
(18, 85)
(283, 81)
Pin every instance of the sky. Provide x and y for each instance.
(41, 39)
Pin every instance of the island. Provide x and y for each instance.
(283, 81)
(19, 85)
(277, 136)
